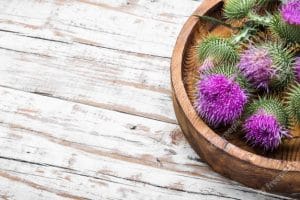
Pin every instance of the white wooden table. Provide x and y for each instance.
(85, 104)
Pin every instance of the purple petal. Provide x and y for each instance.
(256, 66)
(290, 12)
(221, 100)
(264, 130)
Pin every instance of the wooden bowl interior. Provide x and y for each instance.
(290, 148)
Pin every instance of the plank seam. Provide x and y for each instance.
(145, 116)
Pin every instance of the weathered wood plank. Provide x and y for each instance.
(12, 189)
(131, 83)
(48, 182)
(147, 157)
(84, 26)
(144, 26)
(119, 135)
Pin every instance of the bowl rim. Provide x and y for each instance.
(201, 127)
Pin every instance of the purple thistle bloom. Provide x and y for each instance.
(221, 100)
(256, 66)
(207, 65)
(264, 130)
(290, 12)
(297, 69)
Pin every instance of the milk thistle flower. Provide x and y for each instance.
(268, 65)
(266, 123)
(220, 100)
(236, 9)
(290, 12)
(256, 65)
(264, 130)
(217, 49)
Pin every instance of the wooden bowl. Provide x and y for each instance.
(275, 172)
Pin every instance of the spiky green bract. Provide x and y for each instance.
(283, 62)
(218, 49)
(237, 9)
(289, 33)
(271, 106)
(263, 2)
(293, 101)
(234, 73)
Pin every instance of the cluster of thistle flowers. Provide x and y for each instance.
(243, 85)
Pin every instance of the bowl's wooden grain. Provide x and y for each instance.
(276, 172)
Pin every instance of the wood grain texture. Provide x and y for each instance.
(86, 109)
(136, 84)
(95, 31)
(223, 153)
(152, 156)
(105, 23)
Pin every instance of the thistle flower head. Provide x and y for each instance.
(290, 12)
(283, 30)
(236, 9)
(221, 100)
(232, 72)
(293, 101)
(218, 49)
(266, 123)
(297, 69)
(268, 65)
(264, 130)
(256, 65)
(283, 63)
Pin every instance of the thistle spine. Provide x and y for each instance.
(237, 9)
(270, 105)
(287, 32)
(218, 49)
(293, 102)
(283, 61)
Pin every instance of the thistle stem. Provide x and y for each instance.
(260, 20)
